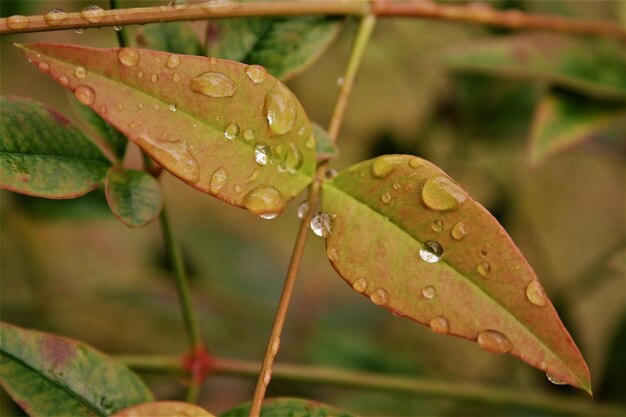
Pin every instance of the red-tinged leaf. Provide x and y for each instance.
(163, 409)
(133, 196)
(42, 154)
(225, 128)
(412, 240)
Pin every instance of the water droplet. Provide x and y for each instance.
(440, 325)
(265, 201)
(330, 174)
(17, 22)
(555, 380)
(360, 285)
(396, 186)
(248, 134)
(437, 226)
(237, 188)
(379, 297)
(117, 28)
(310, 142)
(293, 160)
(128, 57)
(154, 78)
(55, 17)
(92, 13)
(279, 150)
(415, 163)
(494, 341)
(43, 66)
(254, 175)
(231, 131)
(429, 292)
(340, 81)
(171, 107)
(140, 105)
(332, 254)
(483, 252)
(386, 198)
(172, 61)
(542, 365)
(176, 77)
(85, 94)
(431, 251)
(262, 153)
(79, 30)
(302, 209)
(218, 180)
(441, 193)
(280, 109)
(535, 294)
(384, 165)
(213, 84)
(483, 268)
(459, 231)
(80, 72)
(64, 81)
(256, 73)
(321, 224)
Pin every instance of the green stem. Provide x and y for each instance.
(122, 37)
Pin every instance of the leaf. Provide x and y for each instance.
(408, 237)
(175, 37)
(565, 120)
(204, 120)
(42, 154)
(325, 147)
(49, 376)
(589, 67)
(134, 196)
(163, 409)
(284, 46)
(288, 407)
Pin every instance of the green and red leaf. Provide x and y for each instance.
(412, 240)
(52, 376)
(163, 409)
(288, 407)
(133, 196)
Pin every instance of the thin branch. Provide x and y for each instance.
(477, 13)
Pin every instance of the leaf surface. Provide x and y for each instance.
(42, 154)
(133, 196)
(565, 120)
(225, 128)
(409, 238)
(591, 67)
(284, 46)
(53, 376)
(163, 409)
(288, 407)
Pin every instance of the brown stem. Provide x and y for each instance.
(476, 13)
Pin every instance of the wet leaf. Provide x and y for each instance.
(49, 376)
(288, 407)
(225, 128)
(42, 154)
(284, 46)
(163, 409)
(175, 37)
(326, 149)
(134, 196)
(412, 240)
(564, 120)
(591, 67)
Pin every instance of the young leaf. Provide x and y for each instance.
(412, 240)
(565, 120)
(326, 149)
(134, 196)
(225, 128)
(288, 407)
(163, 409)
(284, 46)
(595, 68)
(42, 154)
(51, 376)
(175, 37)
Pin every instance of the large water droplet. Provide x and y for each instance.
(17, 22)
(231, 131)
(379, 297)
(280, 109)
(458, 231)
(302, 209)
(494, 341)
(54, 17)
(555, 380)
(431, 251)
(172, 62)
(483, 268)
(440, 325)
(80, 72)
(265, 201)
(85, 94)
(360, 285)
(384, 165)
(213, 84)
(440, 193)
(218, 180)
(262, 153)
(321, 224)
(429, 292)
(256, 73)
(92, 13)
(248, 134)
(535, 294)
(128, 56)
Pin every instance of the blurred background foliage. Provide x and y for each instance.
(454, 94)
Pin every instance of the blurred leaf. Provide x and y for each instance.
(289, 407)
(175, 37)
(564, 120)
(591, 67)
(443, 261)
(48, 375)
(326, 149)
(42, 154)
(284, 46)
(134, 196)
(612, 385)
(223, 127)
(163, 409)
(89, 206)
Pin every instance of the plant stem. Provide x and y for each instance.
(474, 13)
(122, 38)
